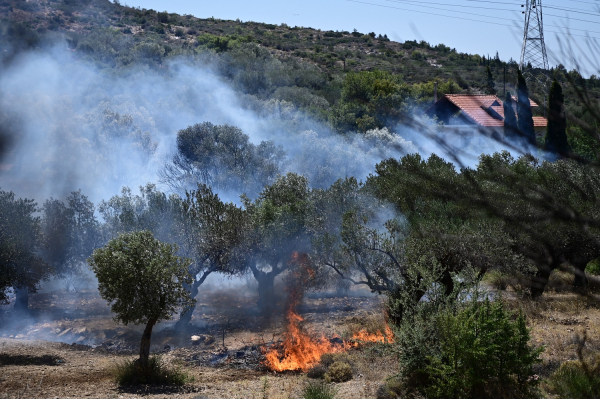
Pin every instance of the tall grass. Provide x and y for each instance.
(132, 372)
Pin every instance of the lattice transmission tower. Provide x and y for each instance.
(533, 54)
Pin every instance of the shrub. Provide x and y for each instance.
(339, 372)
(318, 390)
(593, 267)
(575, 379)
(179, 32)
(155, 371)
(317, 372)
(484, 352)
(391, 389)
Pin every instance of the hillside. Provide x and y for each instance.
(301, 65)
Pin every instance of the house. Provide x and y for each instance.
(467, 114)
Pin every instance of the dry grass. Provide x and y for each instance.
(557, 322)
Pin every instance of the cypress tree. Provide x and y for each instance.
(556, 134)
(490, 85)
(510, 119)
(524, 115)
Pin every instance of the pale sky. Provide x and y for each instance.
(470, 26)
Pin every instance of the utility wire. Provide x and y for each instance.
(470, 19)
(480, 15)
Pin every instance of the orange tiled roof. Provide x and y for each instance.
(473, 106)
(487, 110)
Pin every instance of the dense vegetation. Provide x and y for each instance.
(312, 69)
(422, 231)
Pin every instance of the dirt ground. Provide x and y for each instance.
(225, 361)
(225, 364)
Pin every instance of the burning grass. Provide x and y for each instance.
(301, 350)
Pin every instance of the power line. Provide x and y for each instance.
(446, 4)
(573, 10)
(471, 19)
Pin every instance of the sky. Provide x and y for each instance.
(471, 26)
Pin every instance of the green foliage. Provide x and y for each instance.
(154, 372)
(339, 372)
(593, 267)
(576, 379)
(222, 43)
(370, 99)
(583, 142)
(71, 232)
(318, 390)
(141, 278)
(483, 352)
(223, 157)
(20, 242)
(556, 133)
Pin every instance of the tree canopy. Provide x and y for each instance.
(142, 279)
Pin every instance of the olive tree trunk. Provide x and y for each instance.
(145, 344)
(186, 315)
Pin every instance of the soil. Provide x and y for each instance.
(68, 345)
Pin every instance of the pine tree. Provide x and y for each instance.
(511, 129)
(524, 115)
(556, 134)
(490, 85)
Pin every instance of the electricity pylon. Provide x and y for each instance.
(534, 60)
(533, 53)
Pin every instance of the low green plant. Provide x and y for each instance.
(578, 378)
(484, 352)
(460, 344)
(593, 267)
(318, 390)
(339, 372)
(496, 279)
(572, 381)
(155, 371)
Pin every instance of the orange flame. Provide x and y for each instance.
(386, 337)
(300, 351)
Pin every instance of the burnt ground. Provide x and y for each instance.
(225, 358)
(69, 343)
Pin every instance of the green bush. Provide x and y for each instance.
(484, 352)
(575, 380)
(339, 372)
(593, 267)
(132, 372)
(318, 390)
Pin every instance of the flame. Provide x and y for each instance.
(300, 350)
(386, 337)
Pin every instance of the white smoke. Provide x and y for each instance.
(98, 130)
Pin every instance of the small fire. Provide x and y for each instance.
(299, 350)
(386, 337)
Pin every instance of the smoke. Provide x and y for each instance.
(98, 130)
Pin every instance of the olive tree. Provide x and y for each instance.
(142, 279)
(20, 241)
